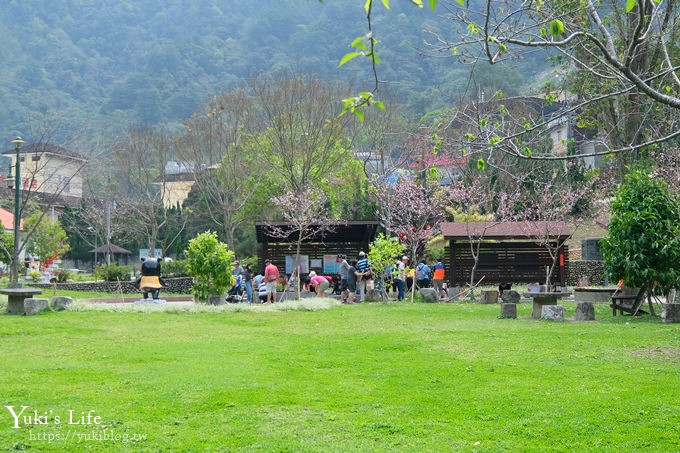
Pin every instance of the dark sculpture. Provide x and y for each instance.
(150, 281)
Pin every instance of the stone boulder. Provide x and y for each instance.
(452, 292)
(508, 311)
(33, 306)
(510, 296)
(585, 311)
(429, 295)
(59, 303)
(373, 295)
(670, 313)
(489, 297)
(552, 312)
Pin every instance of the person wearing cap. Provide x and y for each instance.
(364, 268)
(238, 269)
(343, 272)
(271, 277)
(307, 284)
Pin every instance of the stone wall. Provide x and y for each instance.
(179, 285)
(592, 270)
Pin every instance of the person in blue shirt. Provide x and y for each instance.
(363, 267)
(422, 275)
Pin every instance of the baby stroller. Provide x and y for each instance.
(237, 291)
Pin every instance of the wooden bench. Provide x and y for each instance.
(628, 303)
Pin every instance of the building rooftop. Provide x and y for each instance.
(40, 148)
(505, 230)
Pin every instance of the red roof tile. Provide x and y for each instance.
(7, 219)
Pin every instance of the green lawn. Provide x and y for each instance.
(369, 377)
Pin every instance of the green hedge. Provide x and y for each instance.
(175, 268)
(112, 273)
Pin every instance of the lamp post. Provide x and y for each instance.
(14, 277)
(94, 231)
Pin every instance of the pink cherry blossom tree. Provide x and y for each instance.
(305, 216)
(410, 209)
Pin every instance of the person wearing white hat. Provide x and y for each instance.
(308, 282)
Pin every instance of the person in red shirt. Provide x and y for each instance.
(320, 283)
(271, 277)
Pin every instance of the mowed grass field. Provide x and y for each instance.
(369, 377)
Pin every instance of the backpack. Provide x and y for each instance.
(422, 272)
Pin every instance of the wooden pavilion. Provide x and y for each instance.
(510, 252)
(318, 253)
(118, 254)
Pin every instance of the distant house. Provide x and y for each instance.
(178, 181)
(50, 172)
(565, 133)
(508, 116)
(449, 166)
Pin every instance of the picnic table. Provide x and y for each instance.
(16, 296)
(547, 298)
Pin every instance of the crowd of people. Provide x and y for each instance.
(355, 277)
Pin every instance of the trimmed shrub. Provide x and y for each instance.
(175, 268)
(112, 273)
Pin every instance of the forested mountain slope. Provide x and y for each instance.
(98, 65)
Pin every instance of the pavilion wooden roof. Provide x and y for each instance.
(113, 249)
(349, 231)
(505, 230)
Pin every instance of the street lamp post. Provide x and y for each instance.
(14, 277)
